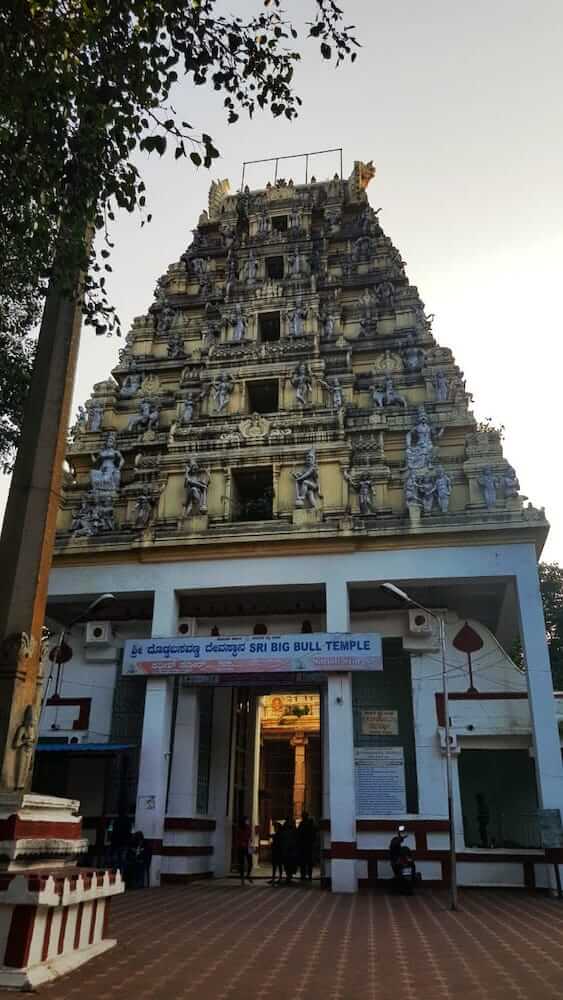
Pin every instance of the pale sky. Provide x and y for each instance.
(459, 105)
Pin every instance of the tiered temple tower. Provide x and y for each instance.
(284, 380)
(281, 435)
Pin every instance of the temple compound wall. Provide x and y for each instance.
(281, 436)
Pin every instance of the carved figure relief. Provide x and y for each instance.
(95, 415)
(148, 417)
(106, 473)
(488, 483)
(307, 488)
(420, 441)
(334, 388)
(196, 484)
(254, 428)
(23, 744)
(296, 319)
(130, 385)
(222, 390)
(302, 381)
(386, 395)
(441, 386)
(363, 486)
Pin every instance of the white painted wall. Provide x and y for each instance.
(493, 671)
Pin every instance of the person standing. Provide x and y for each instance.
(277, 855)
(289, 848)
(305, 843)
(120, 839)
(243, 846)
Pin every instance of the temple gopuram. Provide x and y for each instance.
(281, 436)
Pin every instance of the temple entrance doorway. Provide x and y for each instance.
(277, 772)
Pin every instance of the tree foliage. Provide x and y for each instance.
(551, 582)
(86, 85)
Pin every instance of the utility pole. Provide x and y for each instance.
(28, 534)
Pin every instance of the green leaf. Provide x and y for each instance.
(195, 158)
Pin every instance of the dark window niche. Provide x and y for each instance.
(269, 327)
(253, 494)
(275, 268)
(280, 223)
(262, 396)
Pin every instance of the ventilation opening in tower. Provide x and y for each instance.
(253, 494)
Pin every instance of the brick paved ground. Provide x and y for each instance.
(225, 942)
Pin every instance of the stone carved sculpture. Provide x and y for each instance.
(148, 417)
(130, 385)
(175, 346)
(94, 516)
(295, 218)
(510, 483)
(238, 322)
(443, 486)
(254, 428)
(363, 486)
(302, 382)
(95, 415)
(187, 407)
(145, 505)
(105, 476)
(221, 391)
(426, 490)
(196, 484)
(420, 441)
(263, 224)
(328, 320)
(362, 247)
(413, 357)
(23, 745)
(334, 388)
(294, 263)
(441, 386)
(386, 395)
(296, 319)
(251, 269)
(488, 483)
(165, 320)
(385, 294)
(307, 488)
(411, 489)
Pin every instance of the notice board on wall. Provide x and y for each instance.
(380, 781)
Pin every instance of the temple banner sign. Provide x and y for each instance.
(244, 654)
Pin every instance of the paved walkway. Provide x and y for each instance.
(223, 942)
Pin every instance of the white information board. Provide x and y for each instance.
(380, 781)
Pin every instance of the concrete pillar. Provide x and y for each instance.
(155, 743)
(182, 797)
(342, 794)
(545, 734)
(219, 778)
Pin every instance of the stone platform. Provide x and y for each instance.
(53, 915)
(224, 942)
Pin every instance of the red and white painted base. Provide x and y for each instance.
(52, 922)
(53, 915)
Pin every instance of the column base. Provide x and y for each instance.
(343, 876)
(29, 979)
(53, 915)
(52, 922)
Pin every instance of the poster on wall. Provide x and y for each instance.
(379, 722)
(380, 781)
(248, 654)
